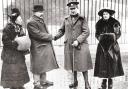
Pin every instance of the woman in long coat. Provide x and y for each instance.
(108, 59)
(14, 71)
(76, 50)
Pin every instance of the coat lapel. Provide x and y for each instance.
(73, 22)
(41, 21)
(70, 21)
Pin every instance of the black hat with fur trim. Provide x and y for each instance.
(111, 12)
(14, 14)
(72, 2)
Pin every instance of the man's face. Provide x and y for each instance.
(40, 14)
(106, 15)
(73, 11)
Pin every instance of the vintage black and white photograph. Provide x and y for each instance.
(63, 44)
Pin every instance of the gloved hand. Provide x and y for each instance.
(75, 43)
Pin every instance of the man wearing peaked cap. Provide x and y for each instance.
(42, 54)
(76, 51)
(72, 2)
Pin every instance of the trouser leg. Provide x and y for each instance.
(75, 83)
(36, 78)
(85, 75)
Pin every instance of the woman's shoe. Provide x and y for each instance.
(104, 85)
(75, 84)
(110, 83)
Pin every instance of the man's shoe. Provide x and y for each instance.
(47, 83)
(75, 84)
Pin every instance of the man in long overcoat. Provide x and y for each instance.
(108, 59)
(77, 53)
(42, 53)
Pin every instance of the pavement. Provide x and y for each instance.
(63, 78)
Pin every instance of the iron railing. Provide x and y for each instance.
(56, 10)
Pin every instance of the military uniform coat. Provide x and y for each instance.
(42, 54)
(108, 59)
(78, 58)
(14, 70)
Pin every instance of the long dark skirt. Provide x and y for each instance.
(106, 66)
(14, 75)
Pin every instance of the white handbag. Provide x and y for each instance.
(24, 42)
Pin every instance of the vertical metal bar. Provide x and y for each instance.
(15, 3)
(33, 2)
(99, 4)
(20, 5)
(47, 11)
(87, 11)
(118, 9)
(107, 3)
(111, 4)
(125, 14)
(122, 17)
(68, 9)
(103, 3)
(24, 15)
(59, 11)
(95, 14)
(7, 10)
(80, 6)
(3, 11)
(11, 3)
(29, 7)
(51, 13)
(55, 16)
(115, 7)
(64, 7)
(125, 17)
(91, 20)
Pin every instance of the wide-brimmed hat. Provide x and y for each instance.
(111, 12)
(37, 8)
(74, 2)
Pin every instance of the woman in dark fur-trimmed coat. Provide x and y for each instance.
(14, 72)
(108, 59)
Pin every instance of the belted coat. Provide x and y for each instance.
(108, 58)
(42, 53)
(78, 58)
